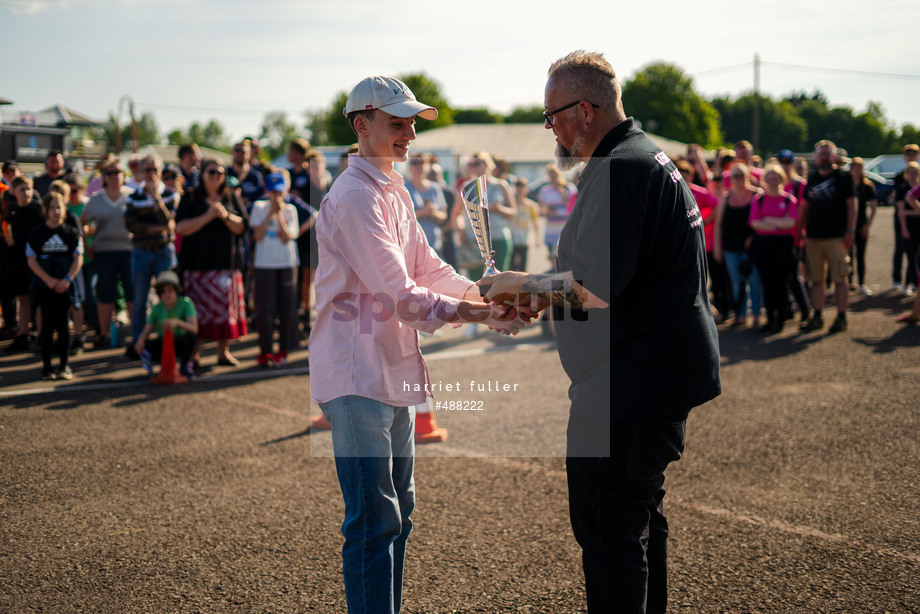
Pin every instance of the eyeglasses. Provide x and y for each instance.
(150, 169)
(110, 173)
(214, 171)
(548, 115)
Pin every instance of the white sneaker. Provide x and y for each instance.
(864, 290)
(909, 290)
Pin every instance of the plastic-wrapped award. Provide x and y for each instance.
(476, 200)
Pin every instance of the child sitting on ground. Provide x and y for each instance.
(173, 312)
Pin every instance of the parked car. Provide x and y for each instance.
(883, 187)
(886, 167)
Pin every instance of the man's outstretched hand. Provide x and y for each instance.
(507, 289)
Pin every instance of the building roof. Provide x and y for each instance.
(59, 115)
(513, 142)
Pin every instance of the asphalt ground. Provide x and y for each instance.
(798, 490)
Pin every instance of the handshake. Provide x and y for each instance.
(513, 307)
(518, 298)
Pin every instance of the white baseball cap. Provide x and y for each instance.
(390, 96)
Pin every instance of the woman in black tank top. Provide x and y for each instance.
(732, 238)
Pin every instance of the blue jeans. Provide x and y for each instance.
(374, 449)
(145, 266)
(743, 287)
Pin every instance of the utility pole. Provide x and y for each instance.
(756, 135)
(130, 102)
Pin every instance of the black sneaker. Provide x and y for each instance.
(839, 325)
(76, 345)
(130, 353)
(814, 323)
(48, 374)
(20, 344)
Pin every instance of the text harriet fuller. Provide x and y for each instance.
(474, 386)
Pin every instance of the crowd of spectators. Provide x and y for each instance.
(124, 230)
(240, 240)
(236, 241)
(781, 237)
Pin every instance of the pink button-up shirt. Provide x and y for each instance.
(377, 283)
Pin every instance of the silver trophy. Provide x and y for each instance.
(476, 199)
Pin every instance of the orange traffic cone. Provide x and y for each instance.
(426, 429)
(320, 423)
(169, 370)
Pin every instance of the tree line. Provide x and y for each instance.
(660, 95)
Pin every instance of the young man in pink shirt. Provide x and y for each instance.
(378, 283)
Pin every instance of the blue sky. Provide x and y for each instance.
(235, 60)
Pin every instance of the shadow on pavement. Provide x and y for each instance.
(752, 345)
(133, 391)
(303, 433)
(906, 336)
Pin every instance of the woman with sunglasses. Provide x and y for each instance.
(104, 219)
(211, 223)
(427, 198)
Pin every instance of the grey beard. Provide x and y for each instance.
(567, 159)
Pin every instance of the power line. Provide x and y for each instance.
(723, 69)
(844, 71)
(848, 71)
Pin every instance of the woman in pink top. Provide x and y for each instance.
(774, 218)
(912, 200)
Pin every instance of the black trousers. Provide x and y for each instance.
(774, 257)
(55, 310)
(720, 285)
(911, 250)
(898, 259)
(797, 285)
(615, 504)
(276, 294)
(7, 292)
